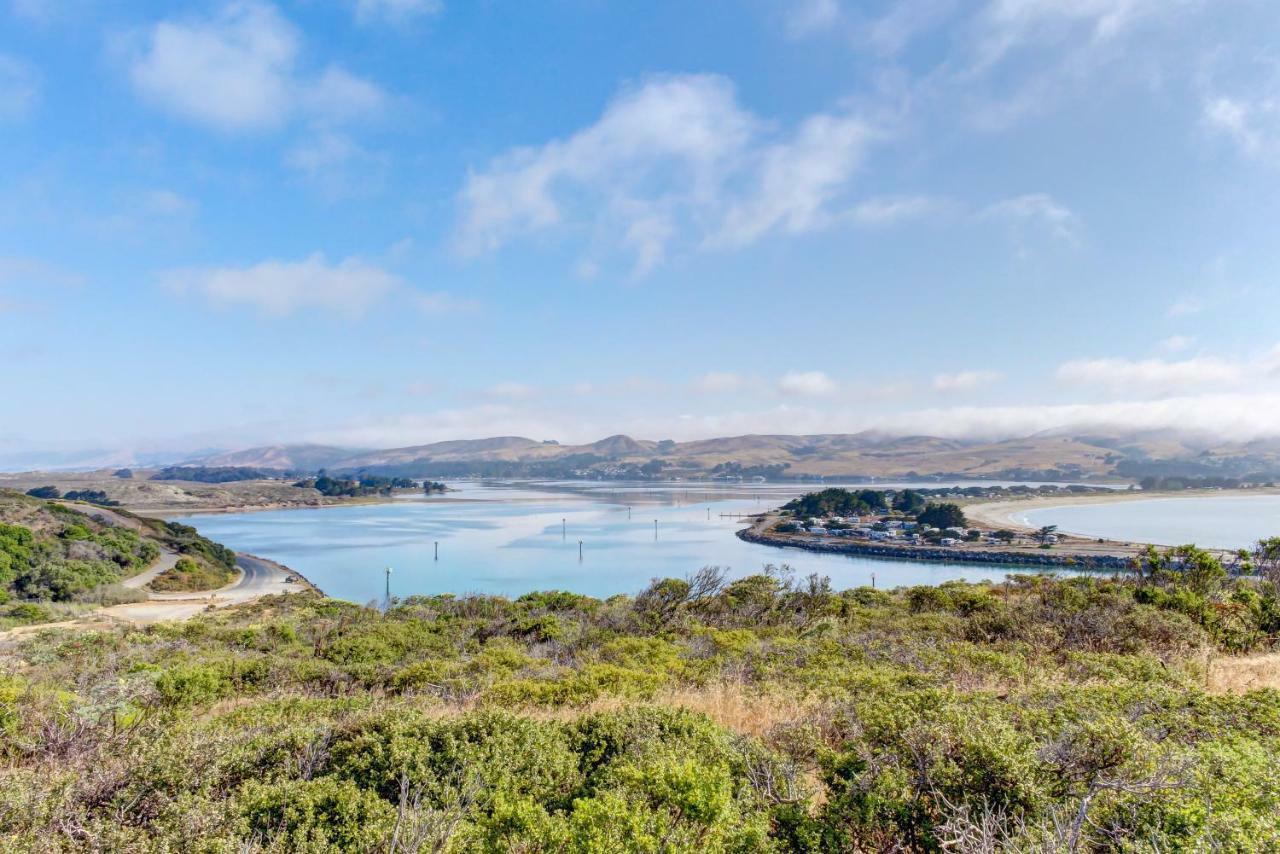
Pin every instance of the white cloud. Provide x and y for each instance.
(689, 125)
(1038, 208)
(904, 21)
(1235, 118)
(46, 12)
(513, 391)
(806, 384)
(19, 88)
(336, 166)
(718, 382)
(988, 64)
(280, 288)
(167, 203)
(1251, 121)
(674, 158)
(891, 210)
(1152, 375)
(1013, 24)
(28, 271)
(439, 302)
(964, 380)
(1176, 343)
(1232, 416)
(338, 95)
(899, 24)
(1185, 305)
(806, 17)
(396, 11)
(797, 179)
(237, 71)
(322, 153)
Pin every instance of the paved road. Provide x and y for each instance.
(104, 514)
(258, 578)
(166, 561)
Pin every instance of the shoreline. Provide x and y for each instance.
(1088, 553)
(176, 511)
(1004, 514)
(1107, 556)
(1047, 562)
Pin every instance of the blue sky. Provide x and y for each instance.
(384, 222)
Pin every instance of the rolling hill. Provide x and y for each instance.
(858, 455)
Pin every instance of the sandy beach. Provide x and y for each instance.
(1004, 514)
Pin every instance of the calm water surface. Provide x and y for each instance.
(1221, 522)
(510, 539)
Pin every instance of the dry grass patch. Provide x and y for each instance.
(1248, 673)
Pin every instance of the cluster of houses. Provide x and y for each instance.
(893, 530)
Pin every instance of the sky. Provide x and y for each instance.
(388, 222)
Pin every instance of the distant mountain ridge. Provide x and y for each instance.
(280, 457)
(870, 454)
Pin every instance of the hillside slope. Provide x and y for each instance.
(55, 557)
(1092, 455)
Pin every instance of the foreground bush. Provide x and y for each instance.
(761, 714)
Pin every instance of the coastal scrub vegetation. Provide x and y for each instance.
(187, 575)
(56, 561)
(53, 554)
(363, 486)
(762, 713)
(214, 474)
(89, 496)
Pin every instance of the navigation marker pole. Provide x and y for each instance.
(437, 544)
(655, 529)
(563, 530)
(579, 551)
(388, 587)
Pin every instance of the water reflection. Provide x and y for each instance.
(511, 538)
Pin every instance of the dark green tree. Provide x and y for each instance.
(942, 516)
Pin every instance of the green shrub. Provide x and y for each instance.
(316, 815)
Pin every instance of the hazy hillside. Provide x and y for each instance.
(1100, 454)
(281, 457)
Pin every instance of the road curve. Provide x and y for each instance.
(258, 578)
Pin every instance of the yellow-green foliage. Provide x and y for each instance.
(189, 574)
(52, 553)
(1045, 715)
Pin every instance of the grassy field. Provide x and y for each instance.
(764, 714)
